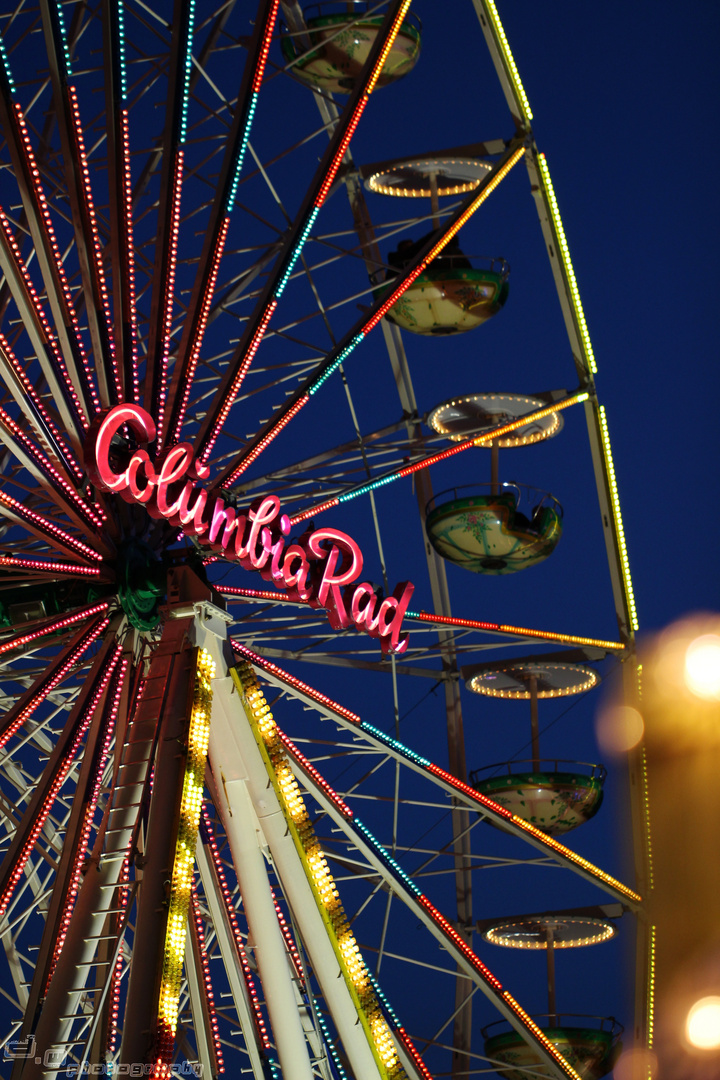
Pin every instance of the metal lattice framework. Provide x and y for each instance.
(187, 876)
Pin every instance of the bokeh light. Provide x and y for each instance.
(702, 1027)
(618, 728)
(702, 667)
(680, 686)
(636, 1065)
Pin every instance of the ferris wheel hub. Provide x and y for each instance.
(141, 576)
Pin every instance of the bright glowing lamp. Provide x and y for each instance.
(702, 667)
(702, 1026)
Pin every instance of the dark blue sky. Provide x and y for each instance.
(624, 97)
(621, 96)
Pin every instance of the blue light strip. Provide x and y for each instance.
(331, 1047)
(6, 65)
(67, 74)
(384, 1001)
(241, 152)
(335, 365)
(121, 50)
(380, 482)
(295, 255)
(395, 745)
(187, 72)
(386, 859)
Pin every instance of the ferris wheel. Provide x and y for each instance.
(254, 558)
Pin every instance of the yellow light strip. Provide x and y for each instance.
(646, 813)
(651, 990)
(530, 418)
(567, 262)
(184, 862)
(507, 628)
(475, 204)
(509, 61)
(387, 47)
(318, 873)
(572, 856)
(619, 531)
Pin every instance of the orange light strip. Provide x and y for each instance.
(343, 349)
(377, 71)
(487, 190)
(421, 764)
(433, 459)
(505, 628)
(532, 830)
(540, 1035)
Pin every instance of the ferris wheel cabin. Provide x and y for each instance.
(330, 50)
(488, 533)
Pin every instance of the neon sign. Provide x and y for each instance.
(320, 567)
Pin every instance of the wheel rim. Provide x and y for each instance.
(111, 654)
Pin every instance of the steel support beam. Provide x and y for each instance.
(74, 848)
(235, 761)
(216, 230)
(470, 973)
(171, 674)
(231, 962)
(77, 187)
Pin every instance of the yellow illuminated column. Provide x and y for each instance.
(184, 861)
(504, 61)
(318, 873)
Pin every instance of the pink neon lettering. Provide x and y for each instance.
(98, 462)
(296, 581)
(275, 546)
(240, 545)
(222, 516)
(388, 630)
(317, 569)
(174, 465)
(363, 615)
(140, 464)
(190, 519)
(328, 594)
(261, 514)
(273, 572)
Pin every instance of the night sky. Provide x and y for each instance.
(625, 134)
(622, 96)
